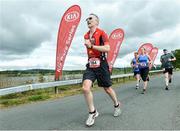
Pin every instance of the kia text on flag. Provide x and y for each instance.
(153, 55)
(148, 47)
(67, 29)
(115, 41)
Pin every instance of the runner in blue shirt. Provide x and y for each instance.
(144, 60)
(134, 65)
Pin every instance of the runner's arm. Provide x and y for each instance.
(161, 59)
(131, 64)
(173, 58)
(105, 47)
(102, 48)
(150, 61)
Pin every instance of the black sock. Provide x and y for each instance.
(116, 105)
(92, 112)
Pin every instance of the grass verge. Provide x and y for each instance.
(48, 93)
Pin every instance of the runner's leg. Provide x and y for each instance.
(166, 79)
(144, 76)
(145, 85)
(117, 104)
(112, 95)
(88, 94)
(137, 80)
(170, 72)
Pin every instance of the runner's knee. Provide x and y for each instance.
(86, 86)
(86, 89)
(166, 76)
(108, 90)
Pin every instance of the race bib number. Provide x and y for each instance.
(136, 66)
(143, 64)
(94, 62)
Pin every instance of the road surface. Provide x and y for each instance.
(158, 109)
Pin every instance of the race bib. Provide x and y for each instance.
(143, 64)
(136, 66)
(94, 62)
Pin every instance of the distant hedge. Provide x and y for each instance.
(177, 55)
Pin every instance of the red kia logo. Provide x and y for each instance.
(117, 36)
(72, 16)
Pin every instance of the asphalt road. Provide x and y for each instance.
(157, 110)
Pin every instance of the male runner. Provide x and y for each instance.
(166, 60)
(97, 44)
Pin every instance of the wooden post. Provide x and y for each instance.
(56, 88)
(124, 79)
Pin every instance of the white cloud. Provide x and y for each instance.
(28, 29)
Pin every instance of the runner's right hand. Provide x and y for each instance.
(88, 43)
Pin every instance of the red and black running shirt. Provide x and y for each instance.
(95, 40)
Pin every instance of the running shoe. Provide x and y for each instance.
(144, 91)
(137, 86)
(170, 80)
(117, 110)
(166, 88)
(91, 118)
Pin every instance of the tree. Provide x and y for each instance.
(176, 64)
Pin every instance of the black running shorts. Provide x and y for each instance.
(136, 72)
(101, 74)
(144, 73)
(169, 70)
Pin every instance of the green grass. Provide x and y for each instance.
(38, 95)
(48, 93)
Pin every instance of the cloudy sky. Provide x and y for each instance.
(28, 29)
